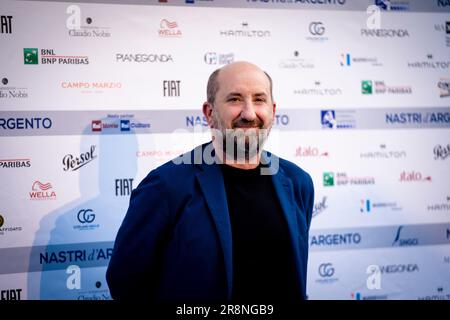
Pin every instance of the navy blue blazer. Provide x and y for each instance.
(175, 242)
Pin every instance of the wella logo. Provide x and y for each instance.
(413, 176)
(41, 191)
(169, 29)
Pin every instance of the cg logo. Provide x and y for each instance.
(316, 28)
(85, 216)
(326, 270)
(211, 58)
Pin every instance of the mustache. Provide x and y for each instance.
(243, 123)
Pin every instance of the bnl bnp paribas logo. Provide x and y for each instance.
(49, 56)
(6, 24)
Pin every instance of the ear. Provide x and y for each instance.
(207, 111)
(274, 108)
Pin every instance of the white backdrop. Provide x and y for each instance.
(94, 96)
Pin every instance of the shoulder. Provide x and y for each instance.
(292, 171)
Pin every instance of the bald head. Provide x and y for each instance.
(238, 69)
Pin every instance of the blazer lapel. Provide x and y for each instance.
(285, 192)
(213, 188)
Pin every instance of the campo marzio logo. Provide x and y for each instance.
(72, 163)
(42, 191)
(49, 56)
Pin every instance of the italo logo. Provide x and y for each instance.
(6, 24)
(310, 152)
(169, 29)
(72, 163)
(320, 206)
(171, 88)
(369, 87)
(12, 92)
(11, 294)
(48, 56)
(144, 57)
(15, 163)
(246, 32)
(25, 123)
(413, 176)
(42, 191)
(440, 152)
(444, 87)
(401, 241)
(215, 58)
(443, 3)
(123, 187)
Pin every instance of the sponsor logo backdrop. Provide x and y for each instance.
(94, 96)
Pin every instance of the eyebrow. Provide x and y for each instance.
(234, 94)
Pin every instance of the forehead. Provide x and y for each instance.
(243, 81)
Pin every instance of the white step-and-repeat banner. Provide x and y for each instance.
(94, 96)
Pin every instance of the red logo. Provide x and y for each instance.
(169, 29)
(96, 125)
(41, 191)
(413, 176)
(310, 152)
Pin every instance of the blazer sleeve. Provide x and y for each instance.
(136, 261)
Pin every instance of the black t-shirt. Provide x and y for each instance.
(263, 264)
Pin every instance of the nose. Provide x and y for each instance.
(248, 111)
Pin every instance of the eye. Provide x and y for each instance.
(233, 99)
(261, 100)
